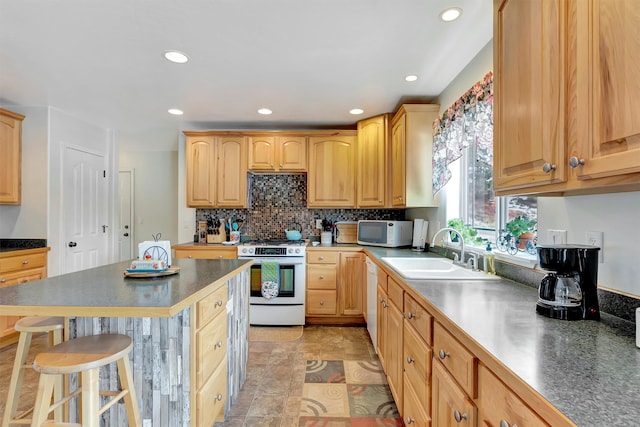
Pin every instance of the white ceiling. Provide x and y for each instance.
(310, 61)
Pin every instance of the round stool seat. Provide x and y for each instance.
(84, 353)
(39, 324)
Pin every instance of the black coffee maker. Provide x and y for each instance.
(569, 291)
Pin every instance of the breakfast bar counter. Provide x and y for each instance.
(174, 322)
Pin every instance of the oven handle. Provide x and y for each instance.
(284, 262)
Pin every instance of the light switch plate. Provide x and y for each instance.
(596, 238)
(557, 237)
(319, 224)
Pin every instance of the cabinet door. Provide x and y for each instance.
(394, 332)
(398, 162)
(262, 151)
(232, 172)
(381, 327)
(529, 85)
(10, 161)
(450, 406)
(201, 177)
(12, 279)
(331, 178)
(292, 153)
(351, 283)
(372, 161)
(608, 93)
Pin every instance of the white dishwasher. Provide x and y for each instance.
(372, 300)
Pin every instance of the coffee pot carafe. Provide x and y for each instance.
(569, 289)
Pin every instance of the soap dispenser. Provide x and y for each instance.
(489, 260)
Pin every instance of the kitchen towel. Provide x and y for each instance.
(270, 276)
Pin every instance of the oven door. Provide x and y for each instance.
(291, 282)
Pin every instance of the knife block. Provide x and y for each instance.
(218, 238)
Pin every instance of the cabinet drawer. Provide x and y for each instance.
(415, 412)
(23, 262)
(417, 363)
(419, 318)
(498, 404)
(218, 253)
(395, 292)
(321, 302)
(322, 257)
(18, 277)
(211, 306)
(212, 396)
(460, 363)
(211, 348)
(321, 276)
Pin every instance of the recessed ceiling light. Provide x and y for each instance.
(176, 56)
(411, 78)
(356, 111)
(265, 111)
(175, 112)
(450, 14)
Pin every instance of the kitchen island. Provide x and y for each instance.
(174, 322)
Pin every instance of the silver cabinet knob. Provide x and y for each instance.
(548, 167)
(219, 344)
(410, 315)
(409, 420)
(458, 416)
(503, 423)
(219, 397)
(321, 302)
(218, 303)
(190, 256)
(410, 360)
(574, 162)
(25, 262)
(443, 355)
(321, 277)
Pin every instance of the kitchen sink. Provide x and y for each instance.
(434, 269)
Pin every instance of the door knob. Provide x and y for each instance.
(72, 244)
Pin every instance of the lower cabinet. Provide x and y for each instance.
(18, 267)
(211, 357)
(335, 287)
(450, 405)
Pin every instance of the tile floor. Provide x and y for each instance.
(331, 376)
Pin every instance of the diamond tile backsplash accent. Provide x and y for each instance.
(279, 201)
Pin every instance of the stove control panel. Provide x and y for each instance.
(270, 251)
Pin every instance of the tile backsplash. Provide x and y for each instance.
(279, 201)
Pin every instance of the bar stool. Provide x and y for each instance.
(85, 355)
(27, 326)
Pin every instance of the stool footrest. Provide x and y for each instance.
(113, 401)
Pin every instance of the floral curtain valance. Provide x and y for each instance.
(469, 120)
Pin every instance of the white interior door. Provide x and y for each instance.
(125, 231)
(85, 210)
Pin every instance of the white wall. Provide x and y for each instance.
(29, 219)
(615, 215)
(155, 194)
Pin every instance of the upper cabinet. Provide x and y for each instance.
(278, 153)
(331, 181)
(373, 143)
(216, 170)
(10, 160)
(565, 93)
(411, 156)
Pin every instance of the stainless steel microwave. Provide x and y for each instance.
(389, 234)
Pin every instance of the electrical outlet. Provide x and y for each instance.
(557, 237)
(319, 224)
(596, 238)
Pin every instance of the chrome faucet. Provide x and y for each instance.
(453, 230)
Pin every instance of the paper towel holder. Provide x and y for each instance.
(420, 228)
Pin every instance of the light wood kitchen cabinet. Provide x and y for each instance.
(450, 405)
(335, 286)
(205, 251)
(411, 156)
(17, 267)
(278, 153)
(11, 159)
(373, 164)
(391, 346)
(498, 406)
(216, 170)
(331, 180)
(564, 97)
(211, 357)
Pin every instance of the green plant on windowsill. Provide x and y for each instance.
(469, 234)
(520, 225)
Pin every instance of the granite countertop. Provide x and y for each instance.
(104, 291)
(589, 370)
(11, 245)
